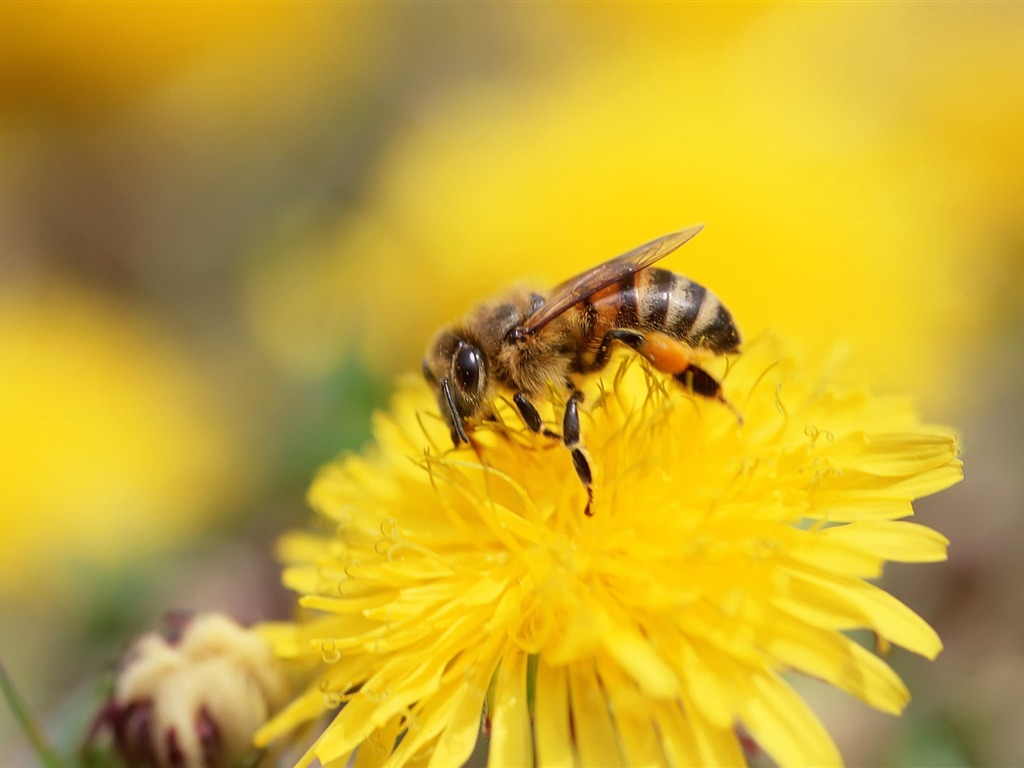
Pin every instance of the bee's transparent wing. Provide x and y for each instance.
(576, 289)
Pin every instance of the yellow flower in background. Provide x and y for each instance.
(73, 60)
(448, 586)
(836, 207)
(112, 446)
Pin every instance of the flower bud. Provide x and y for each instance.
(195, 699)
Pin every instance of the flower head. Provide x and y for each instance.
(194, 699)
(468, 583)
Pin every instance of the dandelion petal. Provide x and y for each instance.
(553, 733)
(511, 744)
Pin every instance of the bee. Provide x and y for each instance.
(523, 341)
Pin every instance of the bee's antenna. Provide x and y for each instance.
(457, 430)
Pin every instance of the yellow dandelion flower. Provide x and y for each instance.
(465, 584)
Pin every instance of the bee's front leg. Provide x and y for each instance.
(531, 415)
(571, 436)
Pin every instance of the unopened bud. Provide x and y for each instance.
(195, 700)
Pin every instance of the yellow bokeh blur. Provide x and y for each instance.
(140, 144)
(113, 117)
(113, 447)
(75, 60)
(814, 141)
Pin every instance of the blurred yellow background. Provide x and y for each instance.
(224, 228)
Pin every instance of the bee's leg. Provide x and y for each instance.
(704, 384)
(633, 339)
(530, 415)
(571, 437)
(669, 356)
(700, 381)
(528, 411)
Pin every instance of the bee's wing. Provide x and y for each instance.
(576, 289)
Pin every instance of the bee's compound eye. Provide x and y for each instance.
(468, 362)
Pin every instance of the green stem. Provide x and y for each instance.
(48, 756)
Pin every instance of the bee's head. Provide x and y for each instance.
(458, 370)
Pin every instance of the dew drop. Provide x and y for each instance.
(389, 528)
(330, 653)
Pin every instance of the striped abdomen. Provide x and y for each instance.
(659, 300)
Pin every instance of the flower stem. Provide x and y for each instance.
(48, 756)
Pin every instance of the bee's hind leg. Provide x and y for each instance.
(668, 355)
(700, 381)
(571, 437)
(704, 384)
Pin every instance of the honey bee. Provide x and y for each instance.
(523, 341)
